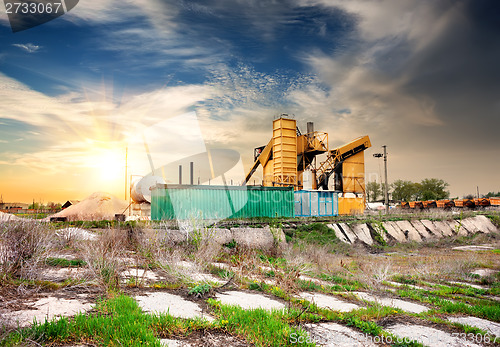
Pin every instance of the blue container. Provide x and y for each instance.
(316, 203)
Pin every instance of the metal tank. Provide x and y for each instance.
(140, 190)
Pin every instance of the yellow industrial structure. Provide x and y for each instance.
(289, 159)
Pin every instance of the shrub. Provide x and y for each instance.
(22, 247)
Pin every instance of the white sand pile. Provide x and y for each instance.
(98, 206)
(5, 217)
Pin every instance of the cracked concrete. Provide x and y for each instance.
(396, 303)
(429, 336)
(329, 302)
(249, 301)
(175, 305)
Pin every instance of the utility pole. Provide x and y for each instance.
(386, 183)
(126, 173)
(386, 186)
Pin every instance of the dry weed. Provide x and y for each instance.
(23, 246)
(104, 257)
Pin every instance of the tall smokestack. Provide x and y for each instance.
(191, 172)
(310, 129)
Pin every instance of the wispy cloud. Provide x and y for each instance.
(28, 47)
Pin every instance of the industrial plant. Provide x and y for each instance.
(295, 182)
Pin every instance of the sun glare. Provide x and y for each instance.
(109, 163)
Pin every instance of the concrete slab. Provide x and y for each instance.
(185, 264)
(49, 308)
(329, 302)
(469, 224)
(473, 248)
(336, 335)
(483, 324)
(444, 228)
(249, 301)
(434, 230)
(380, 230)
(208, 339)
(315, 280)
(221, 236)
(469, 285)
(408, 229)
(421, 229)
(484, 272)
(175, 305)
(62, 274)
(428, 336)
(363, 233)
(191, 270)
(394, 231)
(348, 232)
(484, 224)
(396, 303)
(222, 266)
(174, 343)
(204, 278)
(338, 232)
(458, 228)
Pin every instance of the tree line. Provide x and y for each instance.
(401, 190)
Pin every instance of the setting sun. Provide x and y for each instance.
(108, 163)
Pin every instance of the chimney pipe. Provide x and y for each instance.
(310, 129)
(191, 172)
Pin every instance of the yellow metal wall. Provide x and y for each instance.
(351, 206)
(268, 174)
(353, 172)
(285, 151)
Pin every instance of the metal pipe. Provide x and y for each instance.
(191, 172)
(180, 174)
(310, 129)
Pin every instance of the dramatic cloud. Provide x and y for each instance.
(419, 76)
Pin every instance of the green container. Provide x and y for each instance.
(220, 202)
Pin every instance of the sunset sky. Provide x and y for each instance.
(422, 77)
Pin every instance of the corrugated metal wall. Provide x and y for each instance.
(313, 203)
(219, 202)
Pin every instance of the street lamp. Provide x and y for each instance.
(386, 188)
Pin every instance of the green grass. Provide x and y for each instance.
(222, 273)
(61, 262)
(477, 307)
(317, 233)
(262, 327)
(267, 259)
(404, 279)
(115, 322)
